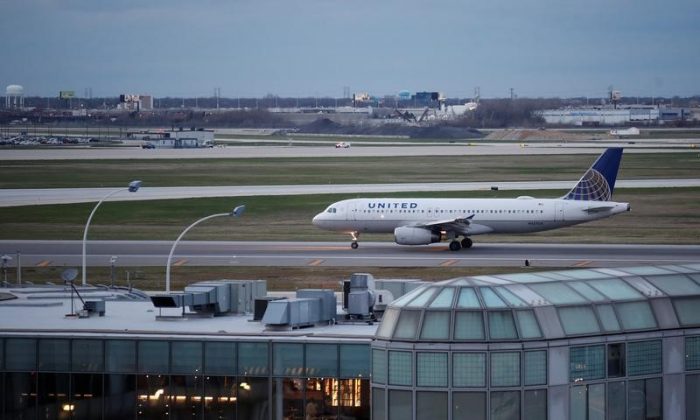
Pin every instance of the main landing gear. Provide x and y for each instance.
(456, 245)
(354, 244)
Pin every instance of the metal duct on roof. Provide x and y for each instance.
(216, 297)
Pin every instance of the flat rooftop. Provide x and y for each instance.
(41, 310)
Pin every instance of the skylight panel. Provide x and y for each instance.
(557, 293)
(615, 289)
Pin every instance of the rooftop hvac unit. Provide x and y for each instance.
(383, 298)
(361, 281)
(311, 306)
(329, 302)
(215, 297)
(95, 307)
(295, 312)
(398, 287)
(363, 295)
(361, 302)
(261, 306)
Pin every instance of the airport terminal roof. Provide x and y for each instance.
(547, 305)
(42, 310)
(505, 307)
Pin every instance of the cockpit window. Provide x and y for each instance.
(331, 210)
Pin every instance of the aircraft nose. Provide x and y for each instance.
(316, 219)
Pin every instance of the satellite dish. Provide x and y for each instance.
(69, 274)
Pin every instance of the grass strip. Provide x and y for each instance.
(339, 170)
(658, 216)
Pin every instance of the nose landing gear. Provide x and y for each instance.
(355, 236)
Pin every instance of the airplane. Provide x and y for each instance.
(422, 221)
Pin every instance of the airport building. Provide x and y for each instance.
(177, 139)
(600, 116)
(619, 343)
(639, 114)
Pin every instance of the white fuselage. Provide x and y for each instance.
(517, 215)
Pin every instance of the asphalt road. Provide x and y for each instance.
(335, 254)
(37, 196)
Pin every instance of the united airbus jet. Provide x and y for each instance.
(423, 221)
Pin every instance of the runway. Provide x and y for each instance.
(336, 254)
(266, 152)
(43, 196)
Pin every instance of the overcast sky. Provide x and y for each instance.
(316, 47)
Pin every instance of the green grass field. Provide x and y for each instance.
(664, 215)
(110, 173)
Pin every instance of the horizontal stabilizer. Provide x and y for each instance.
(598, 209)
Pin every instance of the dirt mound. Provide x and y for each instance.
(322, 125)
(529, 135)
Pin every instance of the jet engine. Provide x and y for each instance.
(406, 235)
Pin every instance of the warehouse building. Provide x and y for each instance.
(600, 116)
(619, 343)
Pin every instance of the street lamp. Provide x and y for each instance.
(236, 212)
(5, 259)
(133, 187)
(111, 262)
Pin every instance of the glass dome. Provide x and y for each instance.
(556, 304)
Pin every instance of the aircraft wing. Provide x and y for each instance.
(459, 225)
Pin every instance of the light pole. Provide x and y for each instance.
(236, 212)
(111, 262)
(5, 259)
(133, 187)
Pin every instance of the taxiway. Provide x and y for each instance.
(43, 196)
(336, 254)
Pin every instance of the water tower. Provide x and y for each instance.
(14, 96)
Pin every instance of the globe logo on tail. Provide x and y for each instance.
(592, 187)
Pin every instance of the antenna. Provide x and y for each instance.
(69, 274)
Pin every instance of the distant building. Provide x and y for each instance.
(180, 138)
(639, 114)
(362, 97)
(429, 99)
(135, 102)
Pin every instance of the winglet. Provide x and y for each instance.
(598, 183)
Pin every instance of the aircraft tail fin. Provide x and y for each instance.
(598, 183)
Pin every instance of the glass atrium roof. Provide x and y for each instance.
(555, 304)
